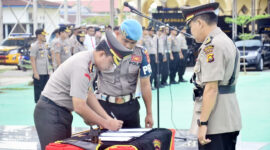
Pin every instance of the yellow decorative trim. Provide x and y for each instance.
(189, 17)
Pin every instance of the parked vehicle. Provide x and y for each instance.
(257, 53)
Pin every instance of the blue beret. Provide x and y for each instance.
(132, 29)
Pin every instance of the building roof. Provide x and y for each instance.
(97, 6)
(23, 3)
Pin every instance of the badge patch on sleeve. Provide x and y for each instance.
(210, 58)
(136, 59)
(208, 49)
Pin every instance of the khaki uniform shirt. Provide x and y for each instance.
(53, 44)
(63, 48)
(216, 62)
(161, 47)
(147, 42)
(123, 80)
(182, 41)
(173, 44)
(78, 47)
(73, 78)
(40, 52)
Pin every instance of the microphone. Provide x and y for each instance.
(131, 8)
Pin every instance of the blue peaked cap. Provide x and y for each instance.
(131, 29)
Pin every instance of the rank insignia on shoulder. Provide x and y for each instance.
(208, 49)
(210, 57)
(208, 40)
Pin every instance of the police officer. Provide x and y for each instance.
(166, 64)
(62, 46)
(183, 55)
(216, 109)
(40, 62)
(174, 46)
(117, 89)
(159, 45)
(73, 38)
(70, 89)
(79, 45)
(52, 48)
(147, 42)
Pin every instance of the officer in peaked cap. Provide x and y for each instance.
(69, 89)
(216, 116)
(117, 90)
(78, 43)
(40, 62)
(63, 46)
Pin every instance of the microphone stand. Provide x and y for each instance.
(158, 74)
(159, 22)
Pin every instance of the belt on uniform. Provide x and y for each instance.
(226, 89)
(45, 99)
(116, 100)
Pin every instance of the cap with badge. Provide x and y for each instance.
(190, 12)
(41, 31)
(111, 45)
(64, 29)
(131, 29)
(81, 33)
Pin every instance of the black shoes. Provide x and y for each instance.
(182, 80)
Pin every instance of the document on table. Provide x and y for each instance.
(123, 134)
(117, 139)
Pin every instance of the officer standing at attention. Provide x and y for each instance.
(62, 48)
(147, 42)
(159, 45)
(69, 88)
(183, 55)
(79, 45)
(174, 46)
(73, 38)
(216, 109)
(40, 62)
(117, 89)
(52, 47)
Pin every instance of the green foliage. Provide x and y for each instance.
(246, 36)
(245, 19)
(98, 20)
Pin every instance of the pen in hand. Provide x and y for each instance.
(113, 115)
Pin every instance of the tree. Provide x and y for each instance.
(243, 21)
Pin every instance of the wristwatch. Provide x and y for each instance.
(202, 123)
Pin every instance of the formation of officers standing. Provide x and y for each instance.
(168, 50)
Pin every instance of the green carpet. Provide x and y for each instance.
(17, 106)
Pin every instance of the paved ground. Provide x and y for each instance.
(17, 105)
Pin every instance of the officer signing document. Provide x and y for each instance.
(69, 90)
(216, 116)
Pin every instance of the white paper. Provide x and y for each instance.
(135, 130)
(120, 139)
(121, 134)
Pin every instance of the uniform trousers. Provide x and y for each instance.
(223, 141)
(52, 122)
(153, 77)
(175, 65)
(39, 85)
(127, 112)
(183, 65)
